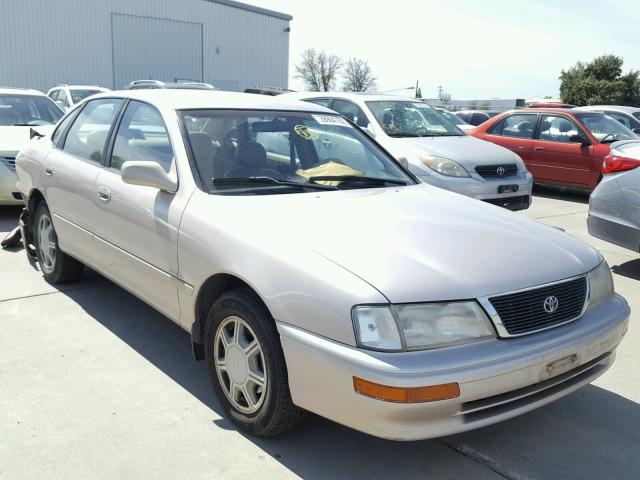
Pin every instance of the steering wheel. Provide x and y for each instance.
(612, 135)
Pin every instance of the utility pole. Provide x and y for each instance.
(440, 91)
(418, 91)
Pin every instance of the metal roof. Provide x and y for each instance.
(252, 8)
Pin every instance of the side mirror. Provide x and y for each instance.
(404, 162)
(148, 174)
(580, 139)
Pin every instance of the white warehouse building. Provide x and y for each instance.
(113, 42)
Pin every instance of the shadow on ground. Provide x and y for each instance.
(591, 434)
(559, 193)
(630, 269)
(9, 218)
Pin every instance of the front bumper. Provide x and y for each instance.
(499, 378)
(8, 190)
(487, 188)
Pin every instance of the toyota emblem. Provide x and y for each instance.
(550, 304)
(500, 171)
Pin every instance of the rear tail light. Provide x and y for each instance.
(616, 163)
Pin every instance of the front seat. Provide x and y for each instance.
(251, 161)
(203, 154)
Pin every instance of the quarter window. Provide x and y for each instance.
(518, 126)
(557, 129)
(324, 102)
(88, 134)
(142, 136)
(621, 118)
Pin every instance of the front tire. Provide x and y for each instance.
(56, 266)
(247, 367)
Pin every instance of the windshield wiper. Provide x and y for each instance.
(268, 181)
(403, 134)
(357, 179)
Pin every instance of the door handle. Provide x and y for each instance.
(48, 171)
(539, 149)
(326, 143)
(103, 193)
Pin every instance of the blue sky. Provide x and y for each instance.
(474, 49)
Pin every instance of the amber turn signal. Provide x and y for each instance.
(406, 395)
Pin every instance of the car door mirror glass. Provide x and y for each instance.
(148, 174)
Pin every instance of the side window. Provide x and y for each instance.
(53, 95)
(351, 111)
(621, 118)
(142, 136)
(324, 102)
(88, 134)
(518, 126)
(554, 128)
(61, 128)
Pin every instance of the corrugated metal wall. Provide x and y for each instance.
(111, 42)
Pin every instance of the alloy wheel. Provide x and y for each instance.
(46, 243)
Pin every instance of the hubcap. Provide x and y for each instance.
(240, 364)
(46, 243)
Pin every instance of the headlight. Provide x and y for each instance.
(600, 284)
(421, 326)
(445, 166)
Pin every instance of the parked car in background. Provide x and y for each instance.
(476, 117)
(20, 111)
(614, 206)
(550, 105)
(67, 96)
(456, 120)
(272, 91)
(155, 84)
(435, 149)
(314, 272)
(560, 147)
(628, 116)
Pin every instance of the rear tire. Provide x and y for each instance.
(247, 366)
(56, 266)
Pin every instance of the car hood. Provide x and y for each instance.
(13, 139)
(417, 243)
(466, 150)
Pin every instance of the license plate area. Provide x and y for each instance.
(508, 188)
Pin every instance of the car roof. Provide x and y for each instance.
(178, 99)
(20, 91)
(543, 110)
(355, 97)
(615, 108)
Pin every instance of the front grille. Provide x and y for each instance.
(512, 203)
(9, 162)
(524, 312)
(499, 171)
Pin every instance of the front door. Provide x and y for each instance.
(556, 157)
(515, 132)
(71, 169)
(137, 226)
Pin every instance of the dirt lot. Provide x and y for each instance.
(95, 384)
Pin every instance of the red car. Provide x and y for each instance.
(560, 147)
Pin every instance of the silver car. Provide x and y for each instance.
(313, 272)
(435, 149)
(614, 206)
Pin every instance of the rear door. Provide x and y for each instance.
(555, 157)
(515, 132)
(71, 169)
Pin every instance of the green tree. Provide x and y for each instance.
(600, 82)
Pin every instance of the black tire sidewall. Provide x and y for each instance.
(244, 305)
(41, 210)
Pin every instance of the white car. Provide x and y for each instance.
(628, 116)
(435, 149)
(20, 111)
(67, 96)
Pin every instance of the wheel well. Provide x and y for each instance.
(35, 197)
(212, 289)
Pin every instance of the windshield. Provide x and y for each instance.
(411, 119)
(453, 118)
(261, 152)
(77, 95)
(605, 128)
(28, 110)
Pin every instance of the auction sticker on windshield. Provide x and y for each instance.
(331, 120)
